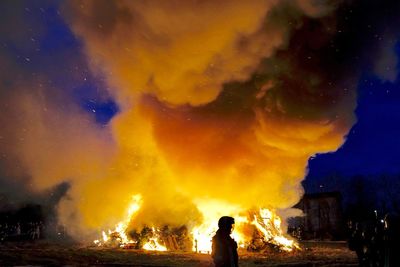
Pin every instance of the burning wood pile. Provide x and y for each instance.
(256, 230)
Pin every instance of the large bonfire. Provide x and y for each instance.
(219, 115)
(254, 230)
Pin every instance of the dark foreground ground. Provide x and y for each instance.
(46, 254)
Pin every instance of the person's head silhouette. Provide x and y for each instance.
(226, 224)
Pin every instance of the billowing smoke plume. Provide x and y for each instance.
(219, 102)
(43, 134)
(47, 142)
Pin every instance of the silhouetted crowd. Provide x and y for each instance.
(21, 231)
(376, 240)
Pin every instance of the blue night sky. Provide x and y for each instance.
(372, 145)
(48, 58)
(45, 50)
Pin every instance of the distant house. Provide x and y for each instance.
(322, 218)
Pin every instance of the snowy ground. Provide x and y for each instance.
(314, 254)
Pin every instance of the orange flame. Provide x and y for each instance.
(154, 243)
(267, 222)
(119, 232)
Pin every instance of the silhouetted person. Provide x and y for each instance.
(376, 244)
(224, 247)
(18, 229)
(356, 242)
(391, 240)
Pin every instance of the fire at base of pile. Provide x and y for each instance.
(148, 238)
(257, 231)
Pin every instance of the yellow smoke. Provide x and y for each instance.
(178, 136)
(181, 51)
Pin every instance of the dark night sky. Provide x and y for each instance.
(372, 147)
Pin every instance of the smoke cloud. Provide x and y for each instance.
(216, 103)
(47, 141)
(44, 140)
(220, 101)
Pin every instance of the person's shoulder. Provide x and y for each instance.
(215, 237)
(233, 241)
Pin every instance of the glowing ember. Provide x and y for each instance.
(263, 223)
